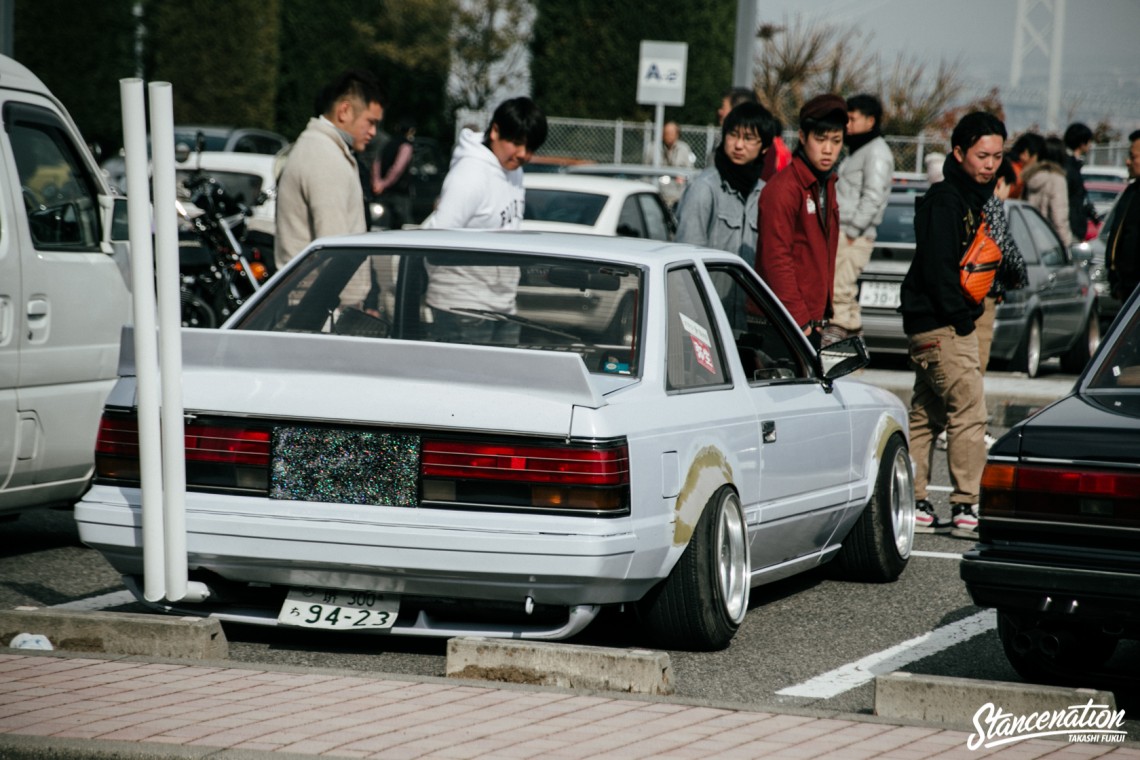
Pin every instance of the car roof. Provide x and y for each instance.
(633, 169)
(1106, 171)
(217, 160)
(629, 250)
(584, 184)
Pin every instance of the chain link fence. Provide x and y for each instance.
(630, 142)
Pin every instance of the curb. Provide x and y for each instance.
(571, 666)
(957, 703)
(121, 633)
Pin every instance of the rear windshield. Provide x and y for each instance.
(1120, 367)
(563, 206)
(587, 307)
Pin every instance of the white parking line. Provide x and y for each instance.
(936, 555)
(94, 603)
(941, 489)
(852, 675)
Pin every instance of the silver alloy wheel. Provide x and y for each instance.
(1033, 347)
(732, 567)
(1093, 335)
(901, 498)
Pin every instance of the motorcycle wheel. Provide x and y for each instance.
(196, 312)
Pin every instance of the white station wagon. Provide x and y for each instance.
(417, 463)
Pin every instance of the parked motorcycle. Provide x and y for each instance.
(219, 266)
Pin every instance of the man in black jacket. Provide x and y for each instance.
(1078, 139)
(1122, 252)
(938, 318)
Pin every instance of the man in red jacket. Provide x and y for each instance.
(799, 218)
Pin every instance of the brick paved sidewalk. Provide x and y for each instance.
(87, 704)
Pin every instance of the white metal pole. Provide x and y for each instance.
(658, 128)
(170, 335)
(146, 348)
(1053, 105)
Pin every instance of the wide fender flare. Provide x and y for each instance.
(709, 470)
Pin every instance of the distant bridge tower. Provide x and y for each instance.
(1029, 37)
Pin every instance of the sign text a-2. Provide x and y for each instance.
(661, 73)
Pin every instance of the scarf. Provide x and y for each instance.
(740, 177)
(855, 142)
(1011, 273)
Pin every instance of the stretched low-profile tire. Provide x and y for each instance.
(879, 545)
(1075, 359)
(1053, 653)
(1028, 357)
(702, 603)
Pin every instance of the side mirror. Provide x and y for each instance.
(843, 357)
(119, 229)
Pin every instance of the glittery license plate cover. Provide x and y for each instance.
(345, 466)
(338, 610)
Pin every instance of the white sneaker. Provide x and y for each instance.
(965, 520)
(990, 441)
(940, 441)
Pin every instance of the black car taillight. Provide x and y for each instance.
(594, 478)
(1052, 494)
(225, 457)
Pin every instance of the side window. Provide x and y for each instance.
(695, 357)
(1022, 237)
(766, 351)
(1051, 249)
(656, 217)
(629, 223)
(60, 197)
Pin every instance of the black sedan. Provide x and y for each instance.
(1059, 549)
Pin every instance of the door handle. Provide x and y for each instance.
(37, 308)
(768, 431)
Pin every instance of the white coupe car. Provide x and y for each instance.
(596, 206)
(372, 469)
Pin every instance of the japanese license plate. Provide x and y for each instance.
(338, 610)
(879, 295)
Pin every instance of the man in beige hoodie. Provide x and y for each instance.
(319, 192)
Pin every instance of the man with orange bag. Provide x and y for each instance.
(938, 318)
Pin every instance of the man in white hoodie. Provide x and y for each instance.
(483, 190)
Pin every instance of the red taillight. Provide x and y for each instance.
(228, 445)
(118, 437)
(1061, 495)
(209, 449)
(531, 464)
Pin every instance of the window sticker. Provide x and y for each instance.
(702, 346)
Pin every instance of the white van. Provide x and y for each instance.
(64, 297)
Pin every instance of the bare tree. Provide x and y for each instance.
(914, 101)
(799, 60)
(489, 39)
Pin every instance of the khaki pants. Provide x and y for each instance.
(984, 328)
(948, 395)
(850, 260)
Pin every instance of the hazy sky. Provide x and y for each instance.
(1100, 56)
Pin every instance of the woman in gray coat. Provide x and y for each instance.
(1047, 189)
(719, 207)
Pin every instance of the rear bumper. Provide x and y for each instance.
(435, 554)
(1060, 589)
